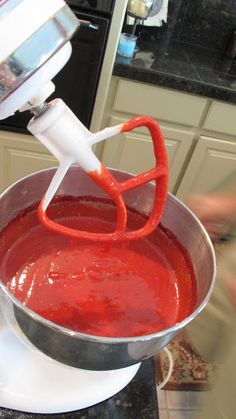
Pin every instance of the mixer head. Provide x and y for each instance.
(36, 47)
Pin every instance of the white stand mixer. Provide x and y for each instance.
(32, 382)
(33, 52)
(36, 46)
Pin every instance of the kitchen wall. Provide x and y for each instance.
(203, 23)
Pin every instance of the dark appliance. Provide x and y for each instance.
(77, 82)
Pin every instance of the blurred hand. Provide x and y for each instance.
(230, 281)
(217, 212)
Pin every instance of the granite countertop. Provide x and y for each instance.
(178, 66)
(137, 400)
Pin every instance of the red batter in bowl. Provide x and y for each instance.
(116, 290)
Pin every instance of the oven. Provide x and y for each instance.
(77, 82)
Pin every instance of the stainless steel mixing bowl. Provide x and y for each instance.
(94, 352)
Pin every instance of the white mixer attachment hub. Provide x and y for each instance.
(68, 140)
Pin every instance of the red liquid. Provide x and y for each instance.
(107, 290)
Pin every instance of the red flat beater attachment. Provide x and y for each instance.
(115, 189)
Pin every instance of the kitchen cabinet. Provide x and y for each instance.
(221, 118)
(133, 151)
(199, 136)
(212, 167)
(21, 155)
(163, 104)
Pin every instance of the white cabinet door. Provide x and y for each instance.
(133, 151)
(21, 155)
(212, 167)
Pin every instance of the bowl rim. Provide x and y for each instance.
(114, 340)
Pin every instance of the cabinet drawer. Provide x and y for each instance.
(221, 118)
(163, 104)
(211, 168)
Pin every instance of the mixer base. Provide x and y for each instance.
(32, 382)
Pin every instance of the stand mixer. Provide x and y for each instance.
(139, 10)
(26, 84)
(30, 57)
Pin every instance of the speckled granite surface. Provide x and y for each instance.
(177, 66)
(189, 52)
(138, 400)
